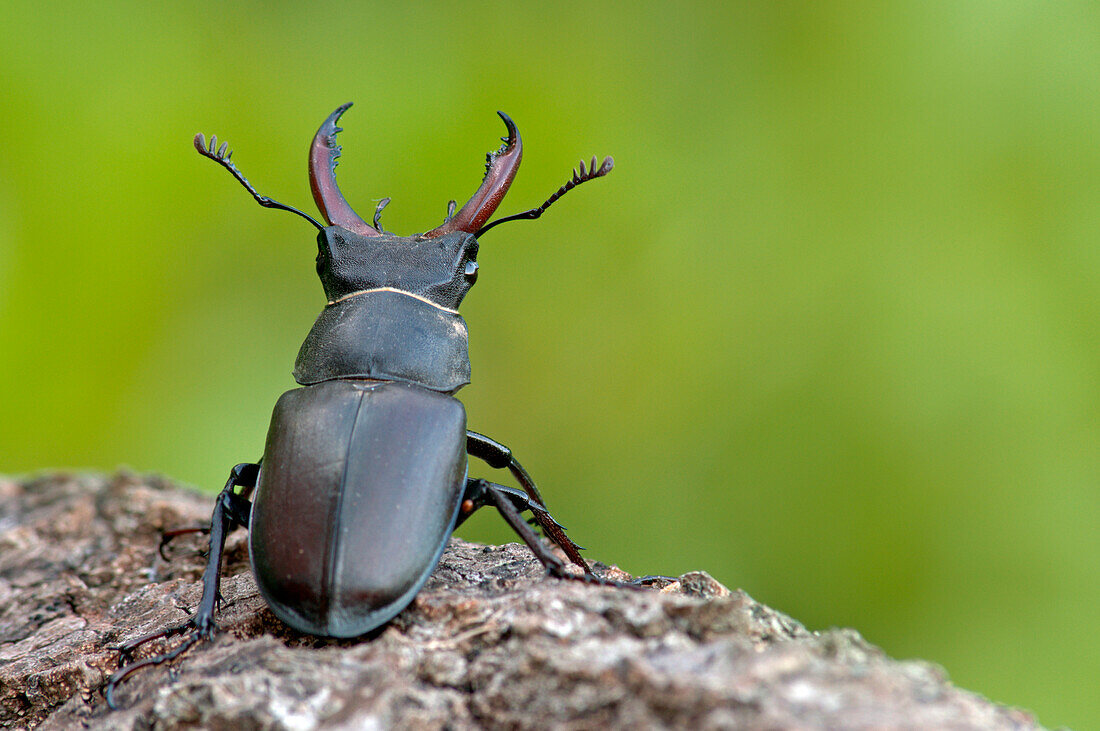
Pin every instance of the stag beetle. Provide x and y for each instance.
(364, 474)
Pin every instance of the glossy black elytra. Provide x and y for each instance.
(364, 473)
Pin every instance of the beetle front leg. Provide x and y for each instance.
(499, 456)
(231, 510)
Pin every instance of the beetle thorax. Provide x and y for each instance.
(440, 269)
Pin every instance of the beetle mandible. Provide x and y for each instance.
(364, 474)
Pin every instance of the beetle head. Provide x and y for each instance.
(441, 269)
(440, 265)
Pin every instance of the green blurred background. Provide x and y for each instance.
(829, 331)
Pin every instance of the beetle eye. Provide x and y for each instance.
(471, 271)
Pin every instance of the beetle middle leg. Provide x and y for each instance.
(499, 456)
(509, 502)
(231, 510)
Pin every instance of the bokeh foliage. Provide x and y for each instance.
(830, 330)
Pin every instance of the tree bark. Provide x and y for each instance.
(491, 641)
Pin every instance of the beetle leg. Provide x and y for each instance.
(501, 497)
(230, 511)
(510, 502)
(477, 497)
(499, 456)
(238, 509)
(170, 535)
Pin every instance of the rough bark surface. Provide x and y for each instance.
(490, 641)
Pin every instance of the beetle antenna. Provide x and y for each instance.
(378, 214)
(220, 156)
(582, 176)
